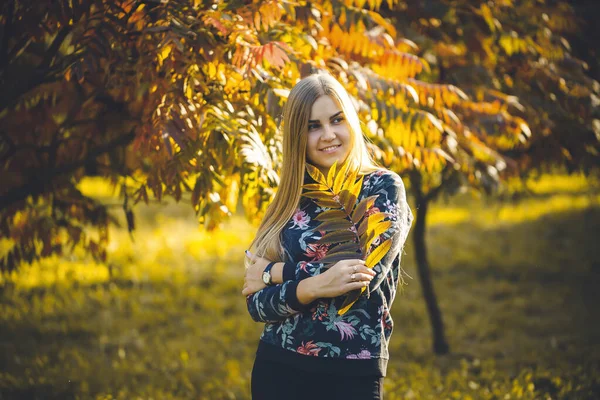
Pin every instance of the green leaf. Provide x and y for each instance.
(337, 236)
(362, 207)
(378, 253)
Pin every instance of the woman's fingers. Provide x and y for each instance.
(368, 271)
(360, 277)
(361, 268)
(250, 256)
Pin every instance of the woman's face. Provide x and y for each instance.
(329, 135)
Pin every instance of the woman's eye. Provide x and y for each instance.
(312, 127)
(338, 120)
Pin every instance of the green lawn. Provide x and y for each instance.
(518, 285)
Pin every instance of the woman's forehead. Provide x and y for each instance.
(324, 107)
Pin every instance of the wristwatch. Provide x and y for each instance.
(266, 276)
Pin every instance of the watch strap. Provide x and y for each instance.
(268, 270)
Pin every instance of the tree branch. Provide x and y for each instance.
(40, 183)
(53, 49)
(6, 34)
(432, 194)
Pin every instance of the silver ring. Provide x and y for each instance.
(355, 268)
(353, 277)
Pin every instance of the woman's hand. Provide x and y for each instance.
(253, 278)
(343, 277)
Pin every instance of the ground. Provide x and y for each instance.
(518, 284)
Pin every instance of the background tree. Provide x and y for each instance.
(521, 48)
(185, 97)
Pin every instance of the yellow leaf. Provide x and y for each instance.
(370, 222)
(378, 253)
(339, 179)
(381, 227)
(348, 303)
(316, 175)
(331, 174)
(315, 186)
(165, 51)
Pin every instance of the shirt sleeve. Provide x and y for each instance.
(301, 270)
(276, 303)
(289, 271)
(392, 201)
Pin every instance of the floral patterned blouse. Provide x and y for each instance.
(314, 337)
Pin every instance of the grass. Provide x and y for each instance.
(518, 284)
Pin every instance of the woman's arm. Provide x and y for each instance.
(280, 273)
(278, 302)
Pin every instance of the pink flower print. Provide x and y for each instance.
(316, 251)
(309, 349)
(346, 330)
(303, 265)
(300, 220)
(320, 311)
(364, 354)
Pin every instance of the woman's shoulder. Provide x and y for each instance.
(382, 178)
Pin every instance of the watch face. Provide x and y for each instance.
(266, 277)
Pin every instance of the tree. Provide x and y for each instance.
(512, 54)
(184, 96)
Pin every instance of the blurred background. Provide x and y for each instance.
(139, 147)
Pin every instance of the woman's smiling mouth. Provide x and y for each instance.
(331, 149)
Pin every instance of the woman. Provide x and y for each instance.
(307, 350)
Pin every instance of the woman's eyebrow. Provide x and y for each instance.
(332, 117)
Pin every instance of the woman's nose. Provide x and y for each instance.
(328, 133)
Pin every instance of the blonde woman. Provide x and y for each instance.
(307, 350)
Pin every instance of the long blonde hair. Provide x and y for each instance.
(296, 114)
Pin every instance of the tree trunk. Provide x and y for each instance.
(440, 345)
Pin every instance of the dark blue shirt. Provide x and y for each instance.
(314, 337)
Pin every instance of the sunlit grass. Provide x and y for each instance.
(548, 184)
(517, 283)
(97, 187)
